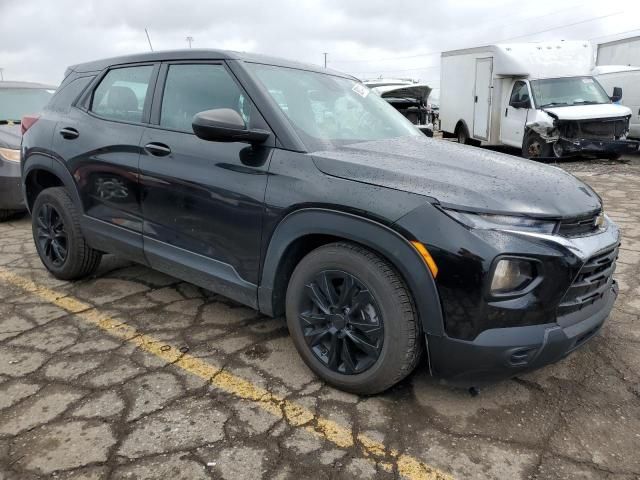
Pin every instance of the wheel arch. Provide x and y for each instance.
(462, 124)
(40, 172)
(303, 230)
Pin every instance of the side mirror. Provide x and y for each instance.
(521, 104)
(617, 94)
(225, 125)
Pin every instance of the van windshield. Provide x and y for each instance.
(560, 92)
(18, 102)
(328, 111)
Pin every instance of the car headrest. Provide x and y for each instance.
(122, 99)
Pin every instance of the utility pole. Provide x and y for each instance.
(189, 40)
(148, 38)
(2, 74)
(325, 59)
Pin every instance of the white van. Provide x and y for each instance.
(628, 78)
(539, 97)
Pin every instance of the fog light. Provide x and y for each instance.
(511, 275)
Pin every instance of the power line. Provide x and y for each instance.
(432, 67)
(615, 34)
(438, 52)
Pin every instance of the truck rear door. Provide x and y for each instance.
(482, 98)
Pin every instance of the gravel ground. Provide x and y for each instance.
(132, 374)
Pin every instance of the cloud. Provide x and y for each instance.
(40, 38)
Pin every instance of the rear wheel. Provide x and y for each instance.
(534, 146)
(463, 135)
(352, 319)
(59, 241)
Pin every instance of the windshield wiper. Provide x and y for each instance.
(6, 122)
(587, 102)
(553, 104)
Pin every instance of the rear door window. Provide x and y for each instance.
(194, 88)
(122, 93)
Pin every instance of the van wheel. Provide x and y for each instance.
(463, 135)
(59, 241)
(535, 147)
(352, 319)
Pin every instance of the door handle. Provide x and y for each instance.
(69, 133)
(157, 149)
(476, 99)
(506, 112)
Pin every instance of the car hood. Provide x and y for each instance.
(587, 112)
(461, 176)
(417, 92)
(10, 136)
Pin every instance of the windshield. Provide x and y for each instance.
(558, 92)
(18, 102)
(329, 111)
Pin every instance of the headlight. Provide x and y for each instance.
(10, 154)
(487, 221)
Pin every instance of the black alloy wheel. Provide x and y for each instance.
(58, 237)
(52, 236)
(352, 319)
(341, 322)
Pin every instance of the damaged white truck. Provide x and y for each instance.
(539, 97)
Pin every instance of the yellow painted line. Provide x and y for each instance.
(294, 414)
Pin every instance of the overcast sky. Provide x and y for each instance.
(399, 38)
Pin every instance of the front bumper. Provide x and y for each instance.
(598, 146)
(502, 353)
(10, 186)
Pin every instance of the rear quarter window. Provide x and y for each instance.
(122, 93)
(68, 93)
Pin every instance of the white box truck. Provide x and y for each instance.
(539, 97)
(627, 78)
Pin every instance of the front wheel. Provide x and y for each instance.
(535, 147)
(59, 241)
(352, 319)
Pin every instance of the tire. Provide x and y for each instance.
(6, 215)
(79, 259)
(399, 342)
(534, 147)
(612, 156)
(462, 135)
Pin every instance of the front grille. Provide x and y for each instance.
(575, 227)
(601, 129)
(592, 282)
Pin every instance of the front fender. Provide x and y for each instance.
(380, 238)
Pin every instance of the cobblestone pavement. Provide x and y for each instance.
(133, 375)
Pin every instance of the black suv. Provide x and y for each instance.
(293, 190)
